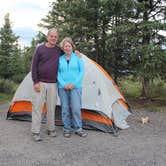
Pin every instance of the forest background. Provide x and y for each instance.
(124, 37)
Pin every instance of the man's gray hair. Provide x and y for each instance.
(52, 30)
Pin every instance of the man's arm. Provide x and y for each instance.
(78, 53)
(34, 70)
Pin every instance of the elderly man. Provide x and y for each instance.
(44, 76)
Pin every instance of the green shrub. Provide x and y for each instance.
(131, 89)
(7, 86)
(158, 89)
(5, 97)
(18, 78)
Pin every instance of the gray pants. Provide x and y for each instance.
(48, 94)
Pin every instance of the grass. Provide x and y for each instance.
(132, 91)
(5, 97)
(7, 88)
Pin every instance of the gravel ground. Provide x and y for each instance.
(140, 145)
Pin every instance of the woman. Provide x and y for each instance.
(70, 77)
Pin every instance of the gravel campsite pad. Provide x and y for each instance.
(140, 145)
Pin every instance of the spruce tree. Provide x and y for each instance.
(147, 53)
(9, 51)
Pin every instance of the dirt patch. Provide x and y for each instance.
(144, 103)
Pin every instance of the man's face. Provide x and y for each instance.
(52, 38)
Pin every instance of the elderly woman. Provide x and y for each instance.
(70, 77)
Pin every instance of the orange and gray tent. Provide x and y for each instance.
(103, 106)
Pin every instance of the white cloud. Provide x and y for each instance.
(24, 14)
(27, 34)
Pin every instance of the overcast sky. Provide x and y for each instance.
(24, 16)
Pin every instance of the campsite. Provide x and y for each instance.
(119, 64)
(137, 143)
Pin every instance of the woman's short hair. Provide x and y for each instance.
(69, 40)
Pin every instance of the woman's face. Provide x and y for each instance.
(67, 47)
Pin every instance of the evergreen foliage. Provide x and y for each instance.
(122, 36)
(11, 62)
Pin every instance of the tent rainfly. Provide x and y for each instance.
(103, 106)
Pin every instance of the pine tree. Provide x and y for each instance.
(90, 24)
(148, 56)
(122, 36)
(8, 40)
(9, 51)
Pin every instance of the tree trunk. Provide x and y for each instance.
(97, 58)
(145, 41)
(145, 88)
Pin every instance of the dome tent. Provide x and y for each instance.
(103, 105)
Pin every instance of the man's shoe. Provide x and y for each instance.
(36, 137)
(67, 134)
(52, 133)
(115, 134)
(81, 133)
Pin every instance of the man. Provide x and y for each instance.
(44, 76)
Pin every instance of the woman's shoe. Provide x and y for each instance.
(81, 133)
(66, 134)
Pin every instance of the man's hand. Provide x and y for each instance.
(36, 87)
(78, 53)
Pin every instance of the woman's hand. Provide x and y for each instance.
(69, 87)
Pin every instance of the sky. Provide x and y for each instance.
(24, 17)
